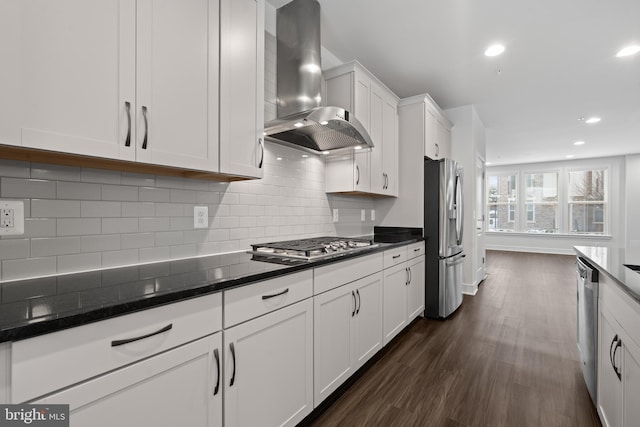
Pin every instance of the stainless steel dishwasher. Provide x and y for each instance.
(587, 333)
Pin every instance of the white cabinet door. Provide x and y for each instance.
(443, 139)
(367, 321)
(395, 301)
(390, 146)
(334, 360)
(376, 132)
(631, 384)
(269, 368)
(68, 70)
(609, 385)
(415, 288)
(181, 387)
(431, 146)
(177, 83)
(242, 87)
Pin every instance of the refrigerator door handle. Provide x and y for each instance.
(459, 208)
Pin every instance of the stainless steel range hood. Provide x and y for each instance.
(302, 121)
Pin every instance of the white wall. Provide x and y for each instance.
(563, 244)
(632, 201)
(467, 144)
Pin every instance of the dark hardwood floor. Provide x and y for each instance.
(507, 357)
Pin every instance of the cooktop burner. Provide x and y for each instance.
(313, 248)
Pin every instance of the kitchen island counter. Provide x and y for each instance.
(611, 261)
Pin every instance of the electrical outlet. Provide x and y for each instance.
(11, 217)
(200, 217)
(363, 215)
(373, 214)
(335, 215)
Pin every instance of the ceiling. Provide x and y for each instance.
(559, 65)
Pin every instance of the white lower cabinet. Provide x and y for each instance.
(179, 387)
(618, 357)
(268, 378)
(403, 293)
(347, 332)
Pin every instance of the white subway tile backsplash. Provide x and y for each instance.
(41, 208)
(138, 240)
(138, 209)
(169, 209)
(183, 251)
(169, 182)
(79, 262)
(39, 227)
(120, 192)
(28, 267)
(149, 194)
(119, 225)
(118, 258)
(169, 238)
(100, 243)
(29, 188)
(78, 226)
(184, 196)
(78, 190)
(100, 176)
(55, 172)
(100, 209)
(154, 224)
(14, 248)
(49, 246)
(14, 168)
(154, 254)
(138, 179)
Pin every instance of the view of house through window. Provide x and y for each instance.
(587, 201)
(565, 201)
(502, 202)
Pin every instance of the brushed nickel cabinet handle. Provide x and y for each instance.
(233, 356)
(146, 127)
(127, 106)
(216, 355)
(117, 343)
(359, 300)
(261, 144)
(358, 174)
(275, 295)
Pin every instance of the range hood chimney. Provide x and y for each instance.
(302, 120)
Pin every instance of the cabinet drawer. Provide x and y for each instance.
(49, 362)
(626, 310)
(395, 256)
(415, 250)
(333, 275)
(248, 302)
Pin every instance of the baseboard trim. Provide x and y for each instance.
(470, 289)
(553, 251)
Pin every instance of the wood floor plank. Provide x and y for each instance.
(507, 357)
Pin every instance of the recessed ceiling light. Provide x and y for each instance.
(578, 143)
(278, 158)
(494, 50)
(304, 156)
(570, 156)
(325, 152)
(357, 147)
(628, 51)
(488, 164)
(324, 123)
(298, 125)
(591, 120)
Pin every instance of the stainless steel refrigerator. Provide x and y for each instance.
(443, 231)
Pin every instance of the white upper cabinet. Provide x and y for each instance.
(159, 82)
(242, 87)
(67, 74)
(432, 128)
(354, 88)
(177, 74)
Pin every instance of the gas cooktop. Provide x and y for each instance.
(314, 248)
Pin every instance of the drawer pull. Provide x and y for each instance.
(116, 343)
(217, 356)
(396, 256)
(275, 295)
(417, 249)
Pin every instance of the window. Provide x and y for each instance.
(502, 202)
(541, 191)
(567, 200)
(587, 201)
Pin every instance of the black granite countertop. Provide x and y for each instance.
(43, 305)
(611, 261)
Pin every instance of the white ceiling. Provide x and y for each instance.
(559, 65)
